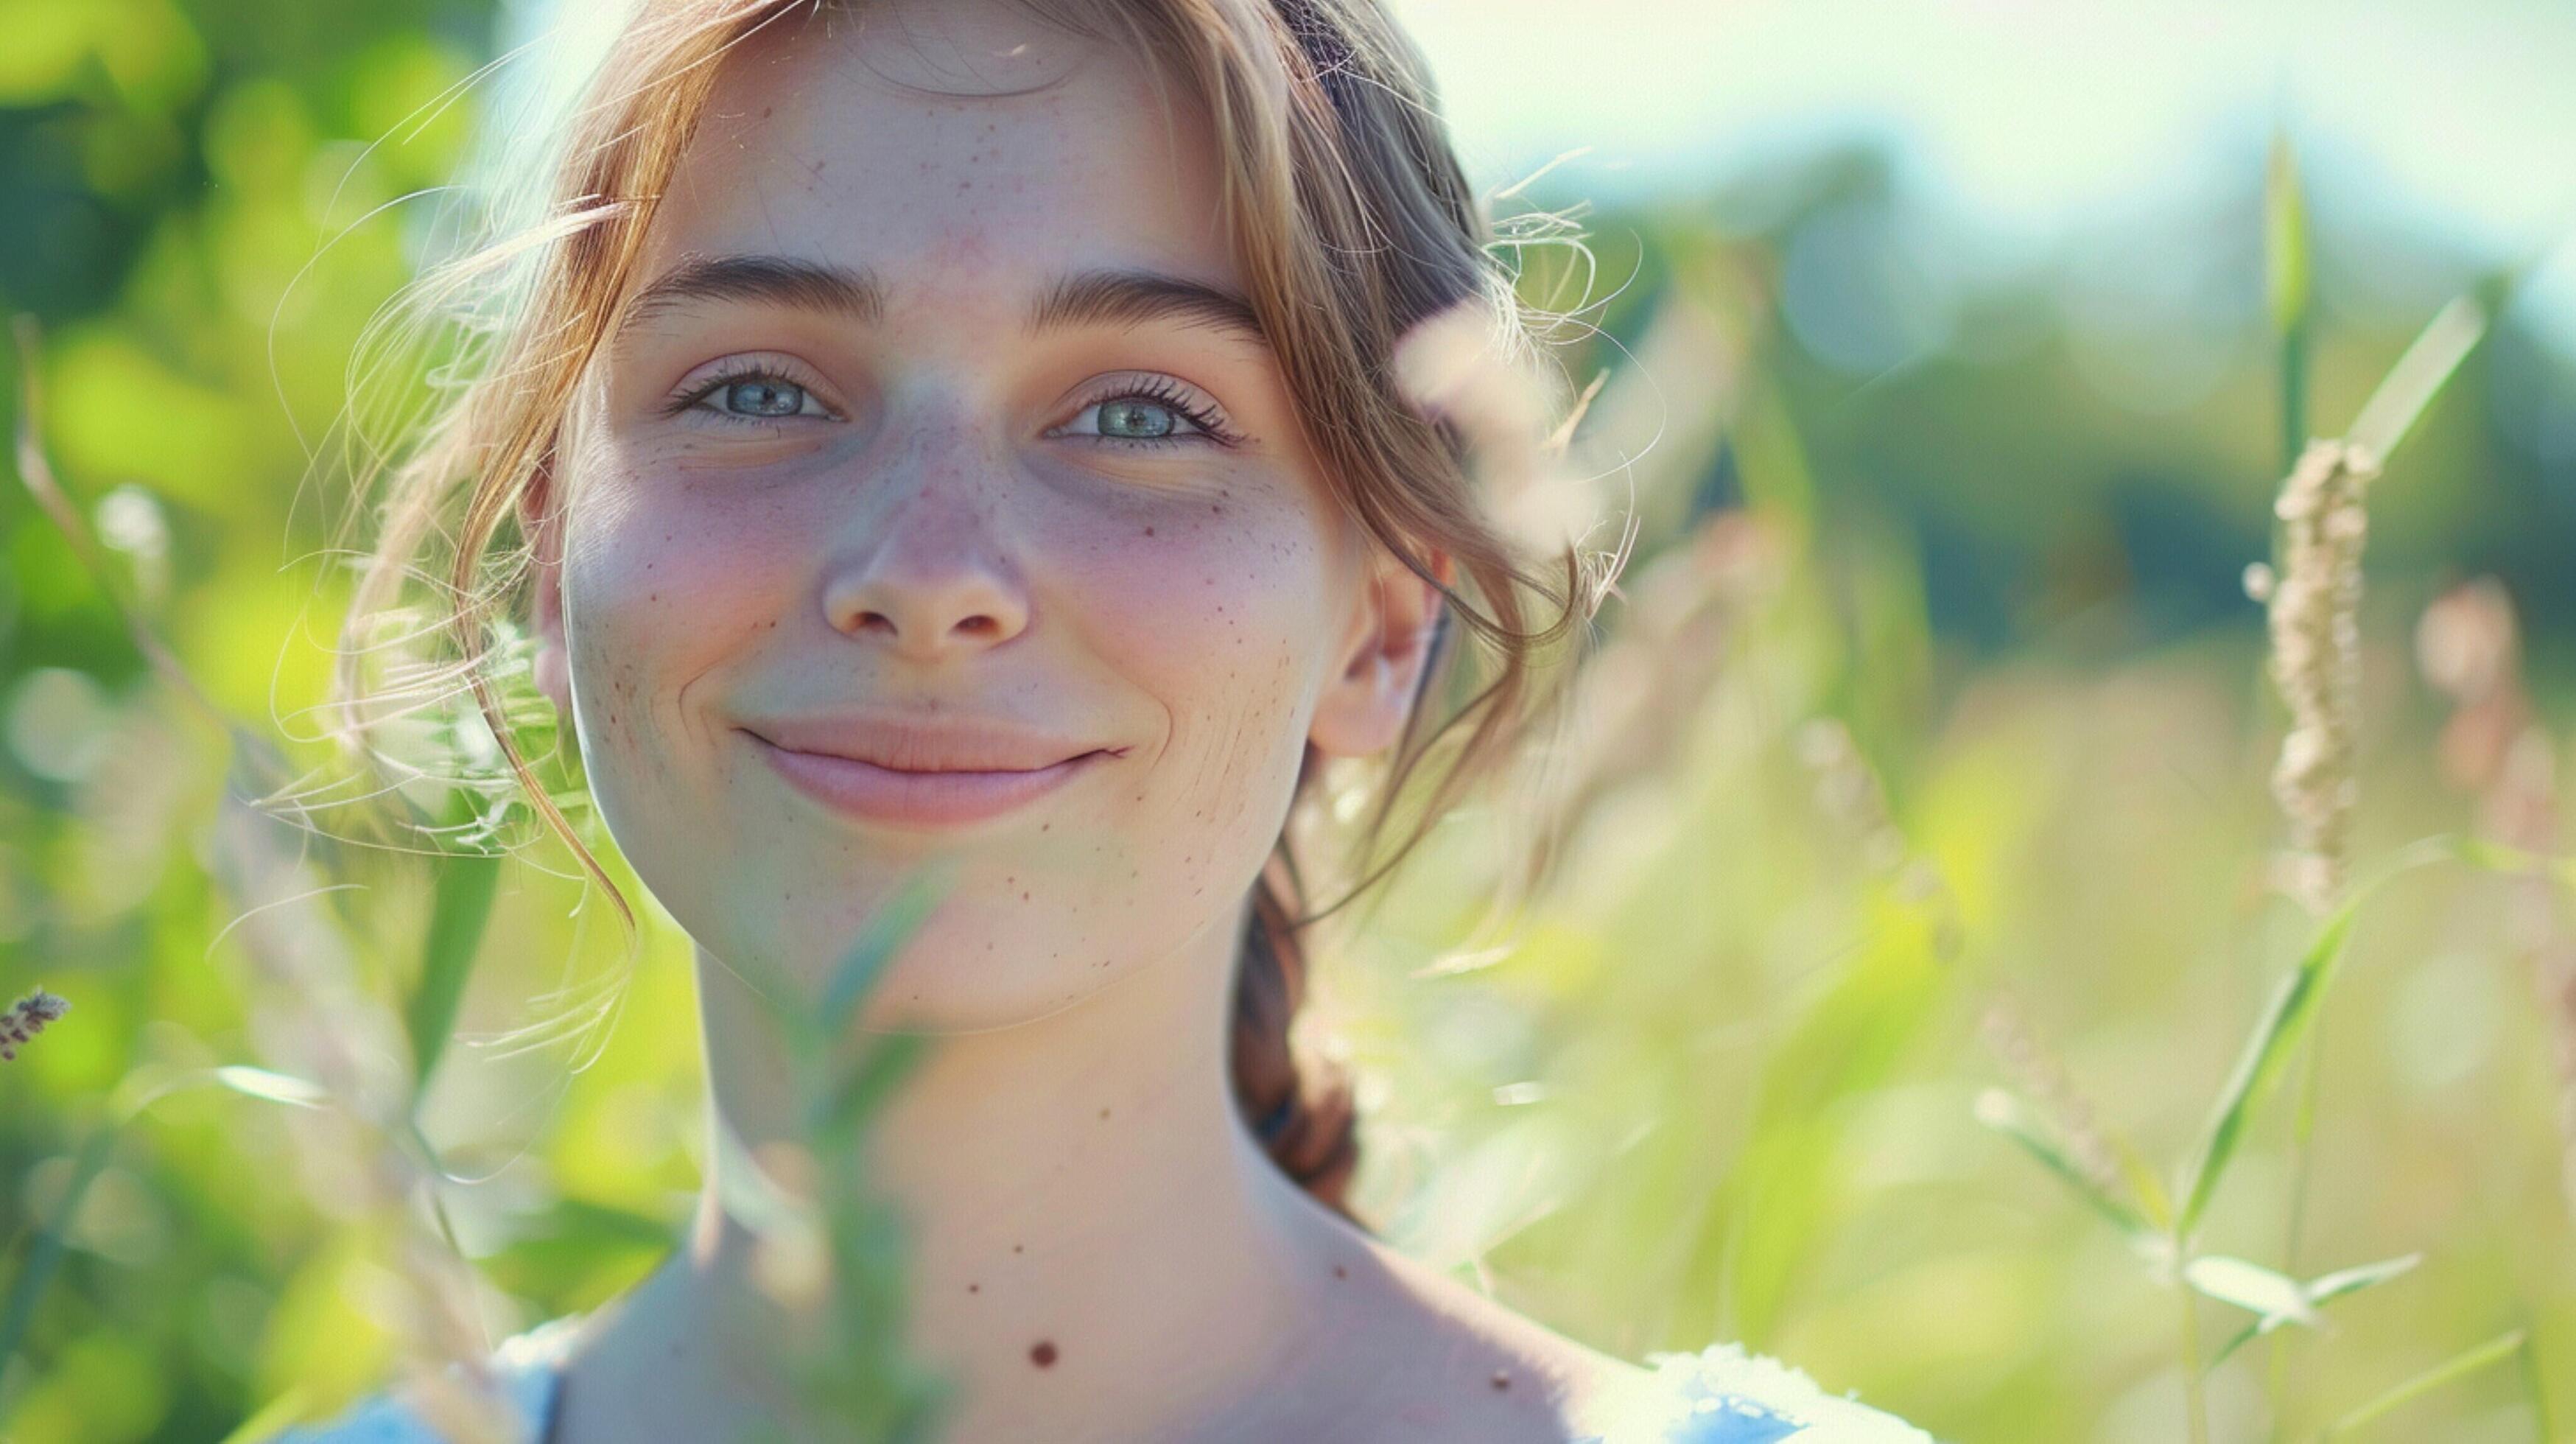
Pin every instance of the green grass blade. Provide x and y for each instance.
(45, 1255)
(2284, 1023)
(886, 1064)
(2327, 1287)
(2251, 1287)
(2542, 1429)
(2419, 376)
(458, 910)
(2006, 1114)
(747, 1190)
(2246, 1335)
(2456, 1367)
(884, 933)
(275, 1087)
(2286, 287)
(2319, 1291)
(272, 1418)
(2498, 857)
(2142, 1180)
(2285, 237)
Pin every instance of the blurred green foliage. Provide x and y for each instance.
(1933, 682)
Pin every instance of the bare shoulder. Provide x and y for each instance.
(1435, 1360)
(1442, 1362)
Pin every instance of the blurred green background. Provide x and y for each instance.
(1955, 355)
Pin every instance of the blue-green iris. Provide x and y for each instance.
(1136, 418)
(764, 398)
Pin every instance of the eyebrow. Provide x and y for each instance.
(1108, 297)
(1133, 298)
(779, 280)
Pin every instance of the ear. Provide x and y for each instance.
(1365, 703)
(541, 521)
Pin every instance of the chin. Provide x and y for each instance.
(980, 961)
(947, 1005)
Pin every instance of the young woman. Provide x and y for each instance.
(966, 431)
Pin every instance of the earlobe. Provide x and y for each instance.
(1364, 709)
(1409, 610)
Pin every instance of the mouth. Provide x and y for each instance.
(919, 797)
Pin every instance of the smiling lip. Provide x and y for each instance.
(947, 779)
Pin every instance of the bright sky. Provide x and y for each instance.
(2036, 120)
(2035, 110)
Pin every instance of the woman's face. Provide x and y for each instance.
(937, 433)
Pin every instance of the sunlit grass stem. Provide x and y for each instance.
(2195, 1394)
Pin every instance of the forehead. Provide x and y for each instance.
(967, 136)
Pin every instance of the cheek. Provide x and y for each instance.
(657, 591)
(1222, 611)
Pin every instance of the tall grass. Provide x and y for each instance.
(2313, 596)
(1719, 1080)
(829, 1252)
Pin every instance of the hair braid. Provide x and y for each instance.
(1299, 1108)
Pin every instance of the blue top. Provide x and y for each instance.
(1721, 1395)
(528, 1367)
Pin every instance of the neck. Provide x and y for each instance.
(1096, 1245)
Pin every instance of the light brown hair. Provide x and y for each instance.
(1354, 224)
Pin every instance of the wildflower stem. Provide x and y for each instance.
(432, 1171)
(2195, 1398)
(2302, 1131)
(45, 1254)
(2504, 1346)
(2542, 1430)
(2302, 1135)
(2276, 1373)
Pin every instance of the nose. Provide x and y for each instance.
(930, 577)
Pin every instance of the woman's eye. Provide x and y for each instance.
(764, 398)
(745, 396)
(1132, 418)
(761, 397)
(1140, 419)
(1146, 418)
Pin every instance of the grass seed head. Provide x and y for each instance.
(26, 1018)
(2315, 623)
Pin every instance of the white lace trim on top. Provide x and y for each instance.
(1723, 1395)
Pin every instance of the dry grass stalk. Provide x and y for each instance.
(308, 1011)
(1850, 792)
(312, 1018)
(2468, 647)
(26, 1018)
(1644, 688)
(2315, 614)
(2039, 1075)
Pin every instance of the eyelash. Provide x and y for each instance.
(731, 375)
(1164, 392)
(1161, 390)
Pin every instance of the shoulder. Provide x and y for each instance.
(527, 1366)
(1721, 1395)
(1724, 1395)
